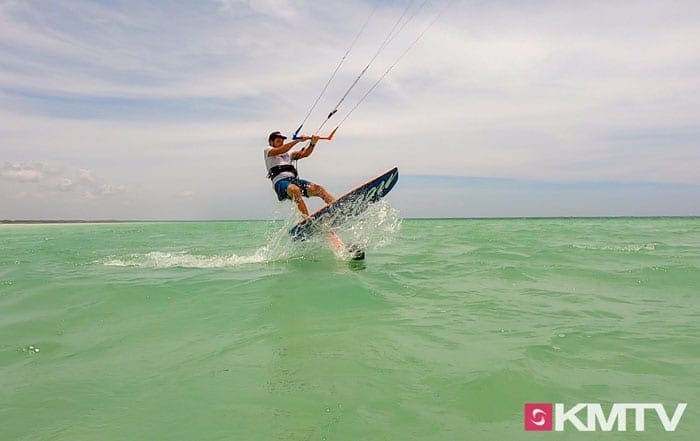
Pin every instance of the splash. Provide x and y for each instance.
(632, 248)
(182, 259)
(374, 229)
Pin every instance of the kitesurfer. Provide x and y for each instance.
(284, 176)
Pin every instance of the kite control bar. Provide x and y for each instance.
(327, 138)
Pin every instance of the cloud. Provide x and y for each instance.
(22, 172)
(185, 93)
(48, 177)
(86, 176)
(109, 189)
(283, 9)
(28, 171)
(65, 184)
(93, 187)
(188, 194)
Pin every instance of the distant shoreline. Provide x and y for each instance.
(32, 222)
(117, 221)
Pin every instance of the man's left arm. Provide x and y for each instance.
(306, 151)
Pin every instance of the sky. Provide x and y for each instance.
(161, 110)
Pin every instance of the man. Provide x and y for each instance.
(283, 174)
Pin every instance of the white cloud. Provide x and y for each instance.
(188, 194)
(22, 172)
(29, 171)
(93, 187)
(284, 9)
(86, 176)
(109, 189)
(58, 177)
(566, 91)
(65, 184)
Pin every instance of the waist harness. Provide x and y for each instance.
(277, 169)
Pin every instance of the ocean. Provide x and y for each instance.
(228, 331)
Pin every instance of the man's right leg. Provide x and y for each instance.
(294, 193)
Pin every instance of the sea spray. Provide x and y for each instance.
(374, 229)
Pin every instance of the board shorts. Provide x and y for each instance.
(282, 184)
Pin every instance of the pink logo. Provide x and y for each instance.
(538, 416)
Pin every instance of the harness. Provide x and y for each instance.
(277, 169)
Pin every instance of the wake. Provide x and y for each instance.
(376, 228)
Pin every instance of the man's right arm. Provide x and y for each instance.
(286, 147)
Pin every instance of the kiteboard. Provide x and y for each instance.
(347, 206)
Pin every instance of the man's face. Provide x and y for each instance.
(277, 142)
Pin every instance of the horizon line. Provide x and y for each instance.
(107, 221)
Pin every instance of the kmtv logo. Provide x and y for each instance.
(545, 416)
(538, 416)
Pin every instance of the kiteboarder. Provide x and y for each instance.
(284, 176)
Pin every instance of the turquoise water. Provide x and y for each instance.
(225, 330)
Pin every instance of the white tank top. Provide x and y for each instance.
(283, 159)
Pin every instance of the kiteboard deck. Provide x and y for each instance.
(349, 205)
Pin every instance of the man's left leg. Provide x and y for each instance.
(317, 190)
